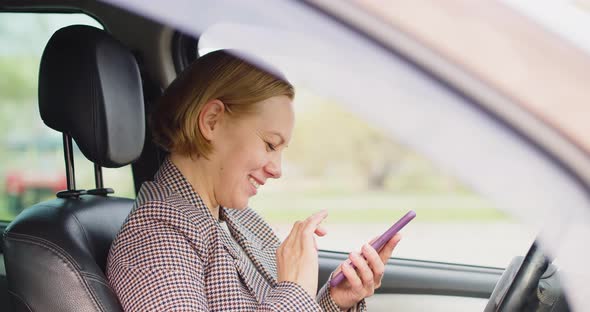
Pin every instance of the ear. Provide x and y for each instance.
(210, 118)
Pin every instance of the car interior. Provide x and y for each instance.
(73, 233)
(97, 87)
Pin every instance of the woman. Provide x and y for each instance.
(225, 124)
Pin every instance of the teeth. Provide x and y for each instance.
(256, 185)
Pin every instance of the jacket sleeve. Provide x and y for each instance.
(153, 266)
(328, 304)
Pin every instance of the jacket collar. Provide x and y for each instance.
(263, 258)
(170, 175)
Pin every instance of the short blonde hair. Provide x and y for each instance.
(216, 75)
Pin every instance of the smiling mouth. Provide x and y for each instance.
(254, 182)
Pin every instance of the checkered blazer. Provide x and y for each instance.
(172, 255)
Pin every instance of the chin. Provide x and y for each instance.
(242, 204)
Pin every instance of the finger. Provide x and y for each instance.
(320, 231)
(352, 276)
(385, 252)
(339, 268)
(294, 234)
(365, 273)
(311, 223)
(374, 261)
(295, 228)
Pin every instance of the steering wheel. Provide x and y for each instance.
(518, 282)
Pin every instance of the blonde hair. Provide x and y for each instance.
(216, 75)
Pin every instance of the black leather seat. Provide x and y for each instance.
(55, 252)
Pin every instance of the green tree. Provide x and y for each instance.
(328, 138)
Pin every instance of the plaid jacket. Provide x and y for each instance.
(172, 255)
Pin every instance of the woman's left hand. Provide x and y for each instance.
(361, 282)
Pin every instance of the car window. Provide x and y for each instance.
(367, 180)
(31, 154)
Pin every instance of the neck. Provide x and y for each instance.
(196, 171)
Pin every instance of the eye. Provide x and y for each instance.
(269, 146)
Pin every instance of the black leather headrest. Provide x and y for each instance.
(90, 88)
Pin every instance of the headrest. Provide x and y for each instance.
(90, 88)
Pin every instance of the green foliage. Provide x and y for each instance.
(330, 143)
(329, 140)
(18, 79)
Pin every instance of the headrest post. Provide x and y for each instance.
(99, 190)
(70, 175)
(69, 159)
(98, 176)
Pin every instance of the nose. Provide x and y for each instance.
(274, 168)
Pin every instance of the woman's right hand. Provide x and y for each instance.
(297, 257)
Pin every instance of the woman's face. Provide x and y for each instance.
(247, 151)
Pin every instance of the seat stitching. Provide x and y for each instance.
(95, 278)
(66, 258)
(99, 279)
(44, 243)
(90, 274)
(83, 232)
(19, 298)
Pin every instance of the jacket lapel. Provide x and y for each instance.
(264, 260)
(255, 282)
(263, 255)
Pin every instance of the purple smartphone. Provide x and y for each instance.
(379, 242)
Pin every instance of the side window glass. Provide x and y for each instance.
(367, 180)
(31, 154)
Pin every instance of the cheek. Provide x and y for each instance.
(240, 156)
(248, 157)
(236, 166)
